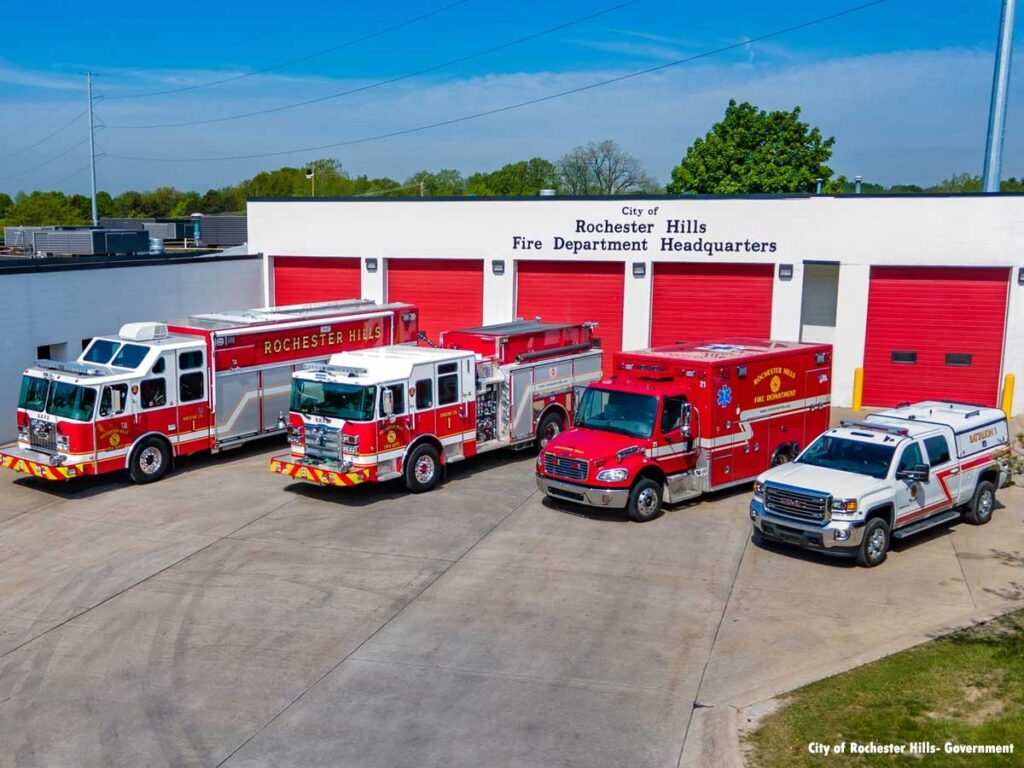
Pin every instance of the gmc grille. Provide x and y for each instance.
(42, 435)
(796, 504)
(570, 469)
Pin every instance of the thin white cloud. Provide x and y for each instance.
(13, 75)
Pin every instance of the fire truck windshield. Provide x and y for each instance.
(101, 351)
(857, 456)
(623, 412)
(58, 398)
(351, 402)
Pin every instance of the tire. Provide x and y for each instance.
(875, 546)
(781, 457)
(548, 428)
(979, 511)
(150, 461)
(422, 469)
(644, 502)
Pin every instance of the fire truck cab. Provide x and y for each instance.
(405, 412)
(678, 421)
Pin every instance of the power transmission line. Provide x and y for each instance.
(299, 60)
(46, 138)
(57, 107)
(43, 164)
(388, 81)
(518, 105)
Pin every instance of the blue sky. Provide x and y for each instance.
(904, 86)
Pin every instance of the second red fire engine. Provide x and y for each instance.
(404, 412)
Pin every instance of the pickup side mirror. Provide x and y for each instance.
(387, 402)
(919, 474)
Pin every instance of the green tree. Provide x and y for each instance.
(5, 204)
(603, 168)
(445, 183)
(46, 208)
(751, 150)
(521, 179)
(960, 182)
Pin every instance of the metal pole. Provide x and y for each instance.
(856, 184)
(997, 111)
(92, 153)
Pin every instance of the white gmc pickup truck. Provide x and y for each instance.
(896, 473)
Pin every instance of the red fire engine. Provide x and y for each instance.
(404, 412)
(156, 391)
(675, 422)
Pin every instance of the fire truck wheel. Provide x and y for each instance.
(979, 511)
(644, 500)
(875, 546)
(548, 429)
(150, 461)
(422, 469)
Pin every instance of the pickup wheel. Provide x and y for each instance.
(875, 546)
(150, 461)
(548, 429)
(422, 469)
(979, 511)
(644, 502)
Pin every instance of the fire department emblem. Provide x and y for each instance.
(776, 383)
(115, 440)
(391, 436)
(724, 396)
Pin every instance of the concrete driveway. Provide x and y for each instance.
(225, 617)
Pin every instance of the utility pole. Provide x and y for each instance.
(997, 111)
(92, 152)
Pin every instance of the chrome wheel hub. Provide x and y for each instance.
(424, 469)
(550, 432)
(150, 460)
(647, 502)
(985, 502)
(876, 543)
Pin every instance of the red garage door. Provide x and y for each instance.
(305, 279)
(694, 302)
(449, 292)
(574, 292)
(933, 333)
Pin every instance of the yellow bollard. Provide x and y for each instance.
(1007, 404)
(858, 388)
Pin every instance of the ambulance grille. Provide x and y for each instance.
(42, 435)
(570, 469)
(797, 504)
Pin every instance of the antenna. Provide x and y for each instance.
(92, 150)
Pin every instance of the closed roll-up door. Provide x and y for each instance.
(307, 279)
(697, 302)
(934, 333)
(574, 292)
(448, 292)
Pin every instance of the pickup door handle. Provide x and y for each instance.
(954, 471)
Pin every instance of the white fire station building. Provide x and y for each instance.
(925, 293)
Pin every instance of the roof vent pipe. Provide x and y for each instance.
(547, 193)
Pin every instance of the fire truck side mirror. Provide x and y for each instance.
(116, 405)
(686, 429)
(387, 402)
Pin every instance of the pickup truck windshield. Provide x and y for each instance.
(856, 456)
(337, 401)
(623, 412)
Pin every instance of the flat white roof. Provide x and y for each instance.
(382, 364)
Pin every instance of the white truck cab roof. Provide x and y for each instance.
(379, 365)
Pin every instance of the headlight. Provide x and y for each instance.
(295, 435)
(22, 431)
(758, 488)
(846, 506)
(612, 475)
(62, 442)
(349, 444)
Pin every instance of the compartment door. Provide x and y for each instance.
(275, 395)
(238, 405)
(521, 404)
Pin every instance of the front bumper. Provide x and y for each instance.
(342, 475)
(609, 498)
(38, 464)
(837, 537)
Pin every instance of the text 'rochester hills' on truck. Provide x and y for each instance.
(156, 391)
(677, 421)
(894, 474)
(405, 412)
